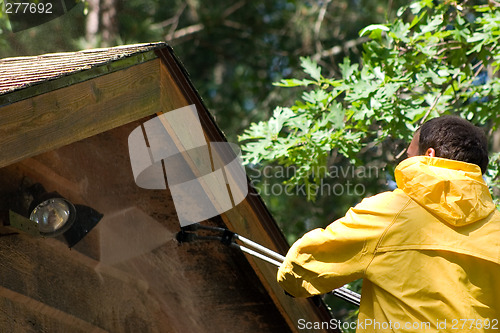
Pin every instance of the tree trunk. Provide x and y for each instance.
(92, 25)
(109, 22)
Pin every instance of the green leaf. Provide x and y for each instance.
(401, 10)
(417, 19)
(417, 6)
(433, 24)
(476, 37)
(347, 69)
(315, 96)
(336, 115)
(311, 68)
(280, 116)
(293, 83)
(300, 122)
(375, 30)
(400, 31)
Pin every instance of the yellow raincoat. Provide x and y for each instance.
(429, 253)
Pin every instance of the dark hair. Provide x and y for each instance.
(454, 138)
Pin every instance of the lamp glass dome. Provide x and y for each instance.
(53, 216)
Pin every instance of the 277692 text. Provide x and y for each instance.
(27, 8)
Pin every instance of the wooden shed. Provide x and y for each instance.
(64, 123)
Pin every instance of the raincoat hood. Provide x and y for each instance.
(452, 190)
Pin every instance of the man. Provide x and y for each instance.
(429, 251)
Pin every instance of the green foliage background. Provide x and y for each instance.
(432, 59)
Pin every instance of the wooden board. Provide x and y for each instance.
(70, 114)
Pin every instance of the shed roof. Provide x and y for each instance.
(21, 72)
(54, 101)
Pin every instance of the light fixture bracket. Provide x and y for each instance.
(19, 222)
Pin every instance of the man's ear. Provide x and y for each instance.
(430, 152)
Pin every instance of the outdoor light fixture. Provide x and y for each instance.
(51, 215)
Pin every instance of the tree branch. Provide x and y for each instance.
(317, 26)
(184, 32)
(493, 3)
(233, 8)
(174, 20)
(434, 103)
(338, 49)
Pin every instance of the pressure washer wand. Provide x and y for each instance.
(229, 237)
